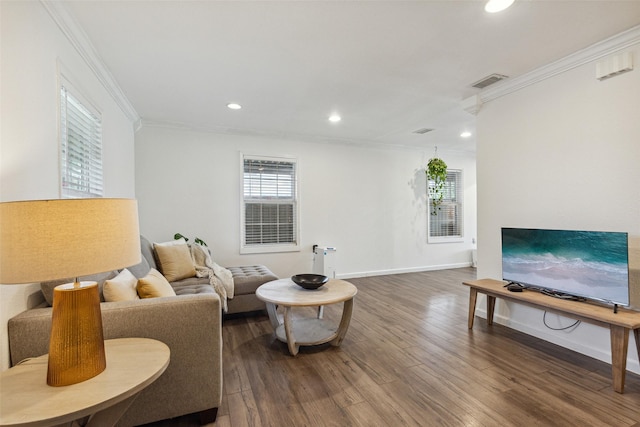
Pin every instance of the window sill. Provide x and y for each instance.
(267, 249)
(452, 239)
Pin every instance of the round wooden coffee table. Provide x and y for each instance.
(307, 331)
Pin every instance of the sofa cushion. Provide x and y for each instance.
(47, 287)
(141, 269)
(190, 281)
(121, 288)
(154, 285)
(175, 260)
(193, 285)
(197, 288)
(147, 253)
(246, 279)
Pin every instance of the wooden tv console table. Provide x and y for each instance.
(619, 323)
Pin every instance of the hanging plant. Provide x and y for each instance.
(437, 173)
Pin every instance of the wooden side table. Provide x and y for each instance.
(132, 364)
(309, 331)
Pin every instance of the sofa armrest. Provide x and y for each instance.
(190, 325)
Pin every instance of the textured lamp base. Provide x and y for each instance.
(76, 347)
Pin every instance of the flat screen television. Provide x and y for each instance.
(588, 264)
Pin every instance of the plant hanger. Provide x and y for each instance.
(436, 173)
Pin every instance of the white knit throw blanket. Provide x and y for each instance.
(219, 277)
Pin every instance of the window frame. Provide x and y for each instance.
(459, 237)
(93, 166)
(255, 248)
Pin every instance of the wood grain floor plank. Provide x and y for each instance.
(312, 392)
(362, 414)
(337, 373)
(235, 375)
(243, 409)
(458, 369)
(381, 361)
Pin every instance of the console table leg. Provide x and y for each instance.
(491, 307)
(473, 296)
(619, 347)
(636, 334)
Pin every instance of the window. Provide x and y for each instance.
(269, 205)
(446, 224)
(80, 147)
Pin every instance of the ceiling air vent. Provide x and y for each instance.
(489, 80)
(422, 131)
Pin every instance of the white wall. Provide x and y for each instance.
(369, 203)
(561, 154)
(32, 47)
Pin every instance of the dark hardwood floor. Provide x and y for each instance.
(409, 360)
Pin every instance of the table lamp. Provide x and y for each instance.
(43, 240)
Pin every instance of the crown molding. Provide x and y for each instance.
(80, 41)
(472, 105)
(606, 47)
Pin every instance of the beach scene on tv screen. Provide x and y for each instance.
(589, 264)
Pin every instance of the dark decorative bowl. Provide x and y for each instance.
(309, 281)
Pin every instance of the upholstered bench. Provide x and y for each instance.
(246, 280)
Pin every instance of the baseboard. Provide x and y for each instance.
(596, 353)
(402, 270)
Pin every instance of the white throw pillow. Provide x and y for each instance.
(121, 288)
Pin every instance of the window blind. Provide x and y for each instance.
(270, 205)
(80, 148)
(448, 220)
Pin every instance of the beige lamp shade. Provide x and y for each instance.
(45, 240)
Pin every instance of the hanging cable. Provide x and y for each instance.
(544, 320)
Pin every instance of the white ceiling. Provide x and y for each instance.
(387, 67)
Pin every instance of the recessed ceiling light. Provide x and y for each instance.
(234, 106)
(334, 118)
(494, 6)
(465, 134)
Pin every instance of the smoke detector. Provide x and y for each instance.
(489, 80)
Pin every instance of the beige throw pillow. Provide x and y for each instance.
(121, 288)
(154, 285)
(174, 260)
